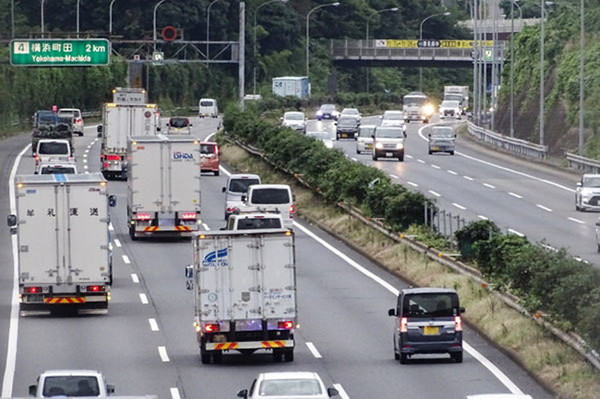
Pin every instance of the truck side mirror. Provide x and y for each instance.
(392, 312)
(244, 198)
(243, 393)
(223, 190)
(429, 135)
(112, 201)
(332, 392)
(11, 220)
(32, 390)
(461, 309)
(110, 389)
(373, 136)
(578, 184)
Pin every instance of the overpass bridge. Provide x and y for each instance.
(416, 53)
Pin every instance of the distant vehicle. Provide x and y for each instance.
(354, 112)
(442, 139)
(587, 193)
(428, 320)
(179, 125)
(296, 86)
(321, 136)
(77, 118)
(328, 111)
(71, 383)
(393, 119)
(209, 157)
(388, 142)
(48, 125)
(237, 185)
(48, 149)
(52, 167)
(416, 107)
(276, 198)
(294, 120)
(208, 107)
(460, 94)
(450, 109)
(254, 221)
(346, 127)
(364, 141)
(290, 384)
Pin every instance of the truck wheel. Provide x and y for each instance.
(216, 173)
(132, 233)
(598, 247)
(425, 120)
(430, 152)
(451, 152)
(374, 157)
(205, 358)
(403, 358)
(396, 355)
(277, 355)
(217, 357)
(337, 137)
(288, 356)
(401, 158)
(358, 152)
(457, 357)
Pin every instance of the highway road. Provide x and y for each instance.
(521, 197)
(146, 343)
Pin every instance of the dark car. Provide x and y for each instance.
(346, 128)
(179, 125)
(49, 125)
(328, 111)
(427, 321)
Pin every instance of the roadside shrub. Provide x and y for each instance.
(472, 233)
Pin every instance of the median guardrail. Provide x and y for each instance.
(583, 164)
(515, 146)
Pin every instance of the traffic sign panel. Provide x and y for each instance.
(59, 52)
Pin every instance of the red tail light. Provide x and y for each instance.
(188, 215)
(143, 216)
(95, 288)
(403, 325)
(113, 157)
(216, 150)
(34, 290)
(209, 328)
(286, 325)
(105, 165)
(292, 211)
(78, 120)
(457, 323)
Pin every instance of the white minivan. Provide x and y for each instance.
(208, 107)
(265, 198)
(56, 150)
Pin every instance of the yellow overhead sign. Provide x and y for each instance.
(431, 43)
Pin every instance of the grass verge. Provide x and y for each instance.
(551, 362)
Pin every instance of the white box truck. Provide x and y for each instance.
(119, 122)
(65, 256)
(296, 86)
(460, 94)
(244, 285)
(163, 196)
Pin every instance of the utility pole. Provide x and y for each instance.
(242, 60)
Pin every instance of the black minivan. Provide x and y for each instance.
(428, 321)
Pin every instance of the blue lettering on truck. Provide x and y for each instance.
(182, 155)
(216, 258)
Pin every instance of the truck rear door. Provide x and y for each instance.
(147, 187)
(182, 175)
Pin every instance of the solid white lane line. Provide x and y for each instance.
(516, 232)
(412, 184)
(205, 226)
(144, 298)
(341, 391)
(135, 278)
(489, 185)
(515, 195)
(459, 206)
(493, 369)
(543, 207)
(452, 172)
(420, 161)
(435, 167)
(175, 393)
(313, 349)
(482, 217)
(110, 227)
(434, 193)
(468, 178)
(126, 259)
(117, 242)
(576, 220)
(393, 176)
(13, 329)
(153, 324)
(162, 351)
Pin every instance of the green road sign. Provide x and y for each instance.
(59, 52)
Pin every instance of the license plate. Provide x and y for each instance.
(389, 154)
(427, 330)
(369, 146)
(435, 148)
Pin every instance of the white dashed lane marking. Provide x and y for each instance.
(420, 161)
(434, 193)
(482, 217)
(162, 351)
(435, 167)
(459, 206)
(576, 220)
(126, 259)
(515, 195)
(153, 324)
(144, 298)
(544, 208)
(468, 178)
(489, 185)
(452, 172)
(394, 176)
(135, 278)
(516, 232)
(312, 348)
(175, 393)
(117, 242)
(412, 184)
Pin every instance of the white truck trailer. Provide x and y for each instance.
(65, 257)
(458, 93)
(119, 122)
(244, 285)
(163, 196)
(295, 86)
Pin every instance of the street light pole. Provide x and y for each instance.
(42, 17)
(254, 41)
(154, 22)
(110, 9)
(308, 33)
(581, 78)
(78, 19)
(208, 28)
(12, 17)
(542, 73)
(421, 39)
(393, 9)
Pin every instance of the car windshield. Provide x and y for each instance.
(294, 116)
(77, 386)
(350, 111)
(179, 122)
(53, 148)
(327, 107)
(207, 149)
(318, 135)
(206, 103)
(450, 104)
(389, 133)
(271, 196)
(443, 132)
(414, 100)
(591, 181)
(258, 223)
(393, 116)
(347, 121)
(453, 97)
(53, 170)
(241, 185)
(296, 387)
(430, 305)
(366, 131)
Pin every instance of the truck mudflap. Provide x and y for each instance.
(210, 346)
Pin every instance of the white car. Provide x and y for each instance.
(393, 119)
(587, 193)
(294, 120)
(321, 136)
(355, 113)
(364, 140)
(450, 109)
(77, 118)
(56, 166)
(288, 385)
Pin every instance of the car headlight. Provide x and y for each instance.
(428, 109)
(378, 145)
(400, 146)
(319, 113)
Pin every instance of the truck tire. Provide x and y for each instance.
(374, 157)
(451, 152)
(430, 152)
(277, 355)
(216, 173)
(132, 233)
(457, 357)
(205, 358)
(288, 356)
(217, 357)
(401, 158)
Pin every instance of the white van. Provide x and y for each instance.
(208, 107)
(266, 198)
(55, 150)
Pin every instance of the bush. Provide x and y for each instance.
(472, 233)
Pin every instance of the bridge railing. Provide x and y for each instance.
(515, 146)
(583, 164)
